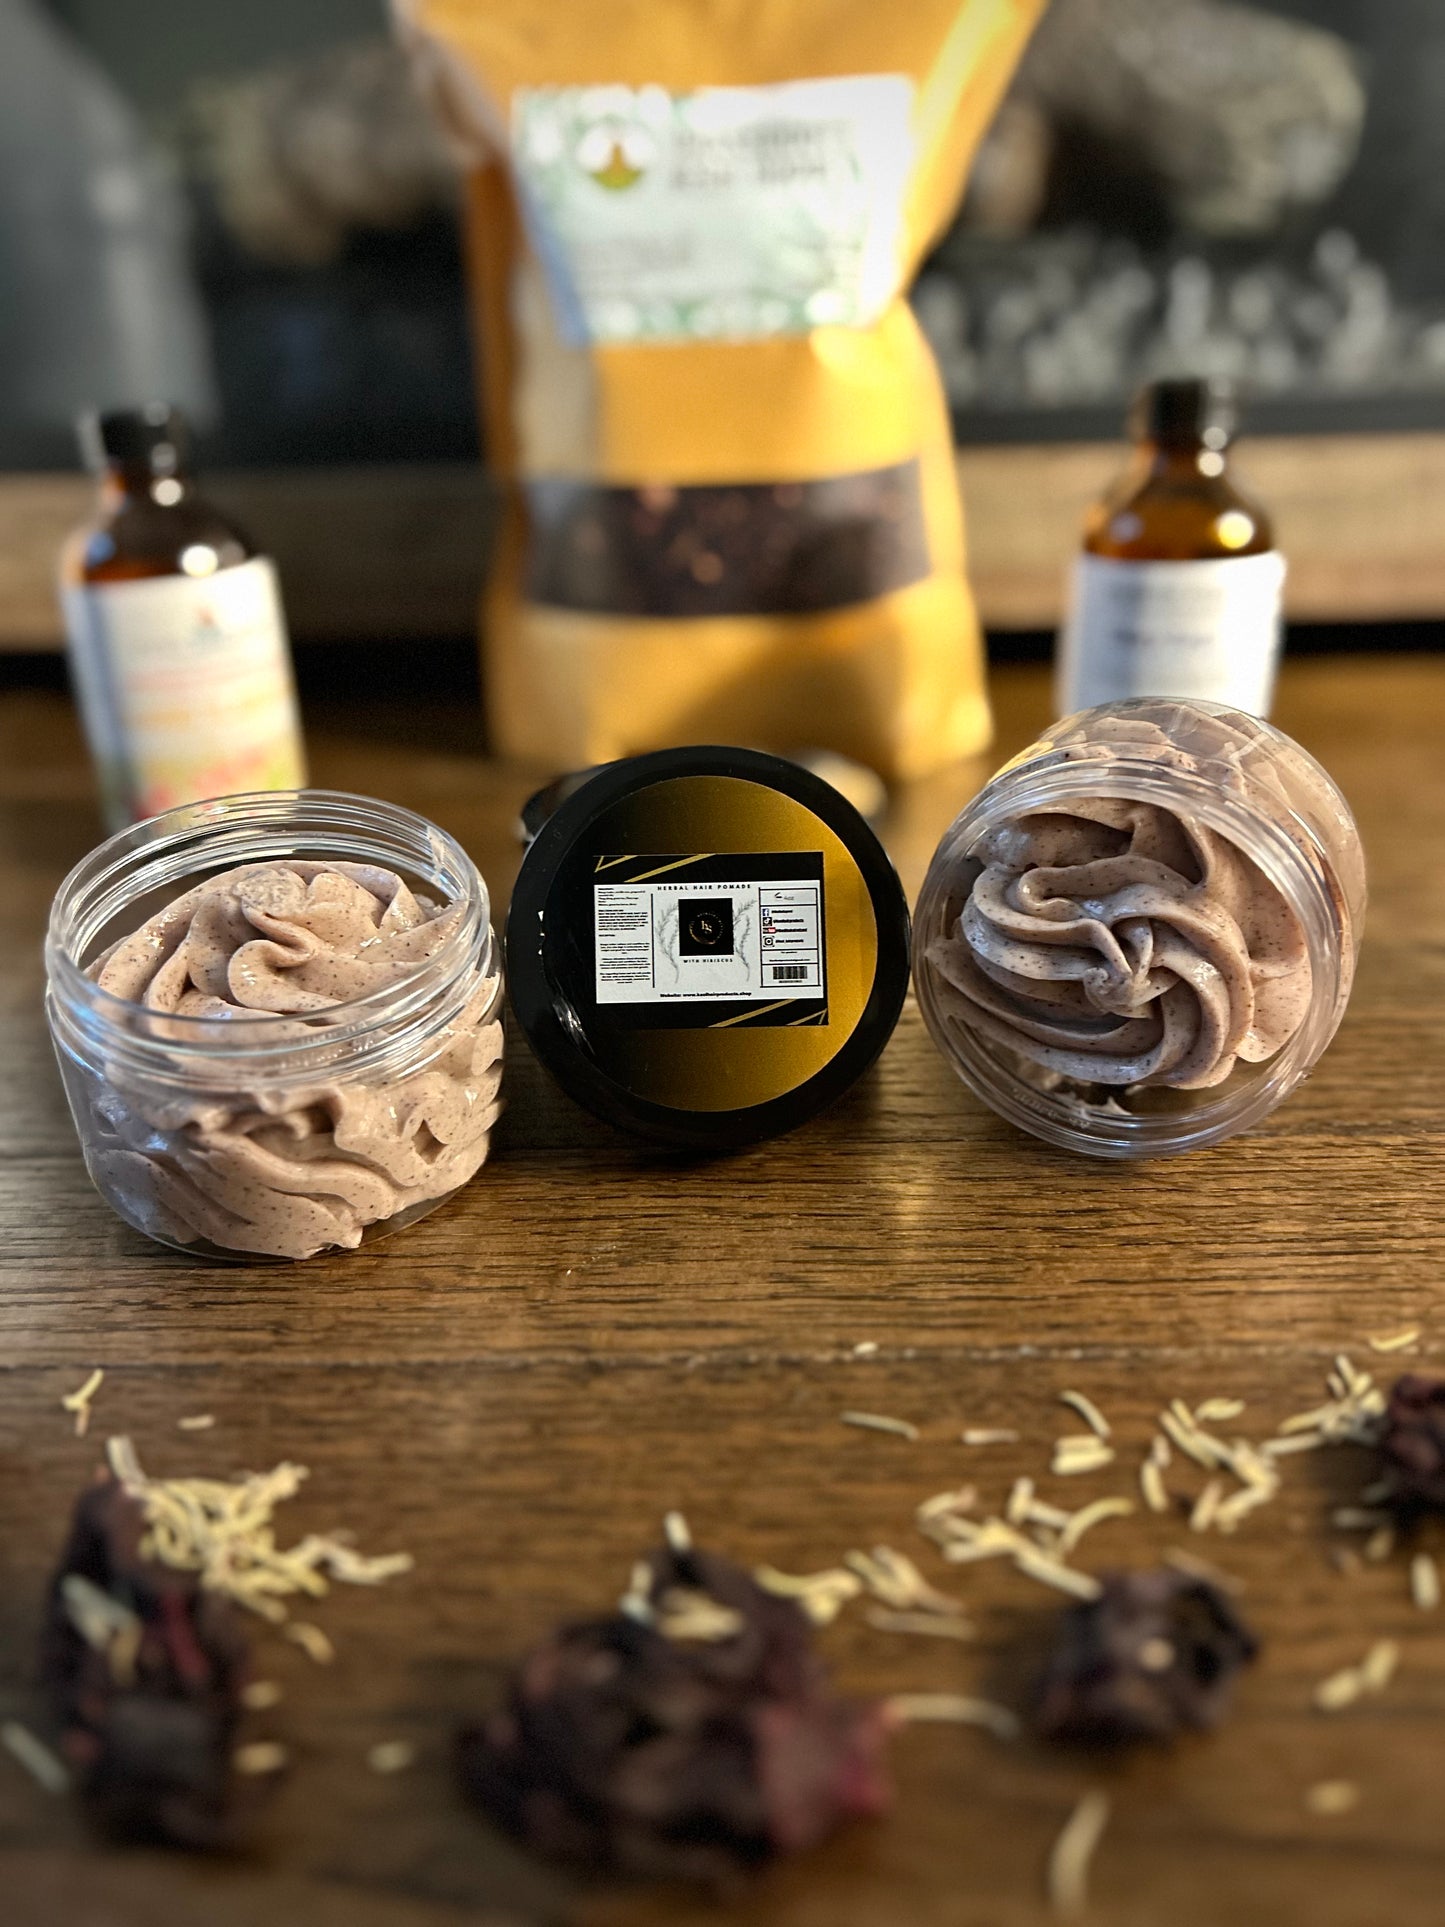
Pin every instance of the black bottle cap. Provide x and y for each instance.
(706, 946)
(1199, 411)
(155, 437)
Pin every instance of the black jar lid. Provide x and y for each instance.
(706, 946)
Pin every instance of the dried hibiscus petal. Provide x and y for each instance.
(144, 1668)
(1152, 1655)
(1412, 1443)
(693, 1736)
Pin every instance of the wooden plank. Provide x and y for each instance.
(515, 1389)
(525, 1494)
(397, 552)
(586, 1237)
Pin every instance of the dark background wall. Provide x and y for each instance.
(1334, 319)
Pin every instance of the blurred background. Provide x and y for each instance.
(248, 211)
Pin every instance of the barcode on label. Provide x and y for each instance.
(789, 973)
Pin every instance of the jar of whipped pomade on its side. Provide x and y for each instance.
(705, 945)
(1142, 933)
(279, 1021)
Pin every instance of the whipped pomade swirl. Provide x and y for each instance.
(291, 1168)
(1122, 943)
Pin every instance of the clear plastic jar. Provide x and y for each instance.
(1142, 932)
(277, 1133)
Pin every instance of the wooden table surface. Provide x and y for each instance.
(517, 1388)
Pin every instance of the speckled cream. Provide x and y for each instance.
(1122, 943)
(1141, 933)
(291, 1170)
(1117, 942)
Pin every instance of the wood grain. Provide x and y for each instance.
(516, 1388)
(1361, 518)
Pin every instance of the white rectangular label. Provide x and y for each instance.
(185, 686)
(729, 212)
(669, 941)
(1207, 630)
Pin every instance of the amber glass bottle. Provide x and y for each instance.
(178, 645)
(1178, 589)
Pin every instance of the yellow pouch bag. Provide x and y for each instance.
(732, 512)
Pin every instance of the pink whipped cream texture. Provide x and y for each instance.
(283, 1168)
(1119, 943)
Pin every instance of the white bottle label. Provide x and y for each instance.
(185, 687)
(1187, 629)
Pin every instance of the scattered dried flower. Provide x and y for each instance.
(35, 1756)
(1151, 1484)
(893, 1578)
(1068, 1869)
(624, 1749)
(886, 1620)
(79, 1401)
(954, 1709)
(312, 1641)
(1329, 1797)
(1372, 1675)
(1084, 1452)
(1152, 1655)
(224, 1533)
(1412, 1443)
(145, 1668)
(1088, 1411)
(1399, 1341)
(822, 1595)
(880, 1422)
(1424, 1582)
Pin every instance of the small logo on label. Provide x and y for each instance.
(615, 154)
(208, 628)
(705, 926)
